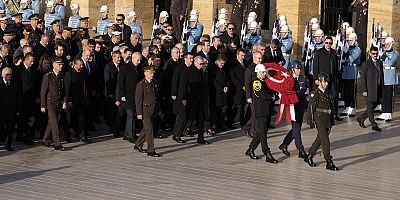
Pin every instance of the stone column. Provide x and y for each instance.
(206, 10)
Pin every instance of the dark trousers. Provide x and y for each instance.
(221, 115)
(295, 133)
(261, 134)
(76, 121)
(25, 127)
(180, 124)
(349, 93)
(369, 112)
(177, 26)
(321, 140)
(130, 123)
(53, 128)
(146, 135)
(250, 124)
(6, 131)
(240, 114)
(387, 100)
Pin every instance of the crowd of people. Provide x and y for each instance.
(56, 78)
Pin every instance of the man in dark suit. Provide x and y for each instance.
(76, 96)
(111, 71)
(205, 52)
(371, 87)
(126, 87)
(273, 54)
(52, 100)
(325, 60)
(125, 29)
(230, 35)
(9, 106)
(147, 106)
(4, 57)
(41, 48)
(179, 87)
(237, 77)
(177, 10)
(91, 85)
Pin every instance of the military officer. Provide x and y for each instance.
(147, 106)
(74, 21)
(390, 59)
(286, 45)
(194, 31)
(101, 28)
(320, 107)
(35, 32)
(53, 101)
(262, 98)
(301, 85)
(350, 74)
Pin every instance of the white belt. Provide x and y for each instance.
(389, 67)
(285, 54)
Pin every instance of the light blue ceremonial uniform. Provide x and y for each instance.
(74, 21)
(48, 19)
(249, 41)
(102, 28)
(137, 29)
(390, 60)
(2, 5)
(287, 46)
(317, 46)
(36, 6)
(26, 13)
(60, 11)
(350, 71)
(194, 35)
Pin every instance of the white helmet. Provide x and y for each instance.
(253, 25)
(251, 19)
(164, 14)
(384, 34)
(319, 33)
(74, 6)
(282, 18)
(282, 23)
(221, 22)
(284, 29)
(314, 27)
(349, 30)
(132, 14)
(253, 14)
(260, 68)
(222, 16)
(193, 18)
(223, 11)
(103, 8)
(353, 36)
(345, 25)
(314, 21)
(23, 1)
(50, 4)
(194, 12)
(389, 40)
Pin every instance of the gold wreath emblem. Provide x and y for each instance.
(257, 85)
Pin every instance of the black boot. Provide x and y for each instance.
(310, 160)
(251, 154)
(302, 154)
(330, 165)
(269, 158)
(284, 149)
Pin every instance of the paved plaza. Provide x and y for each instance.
(110, 169)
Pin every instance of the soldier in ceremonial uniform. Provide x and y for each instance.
(25, 10)
(36, 6)
(252, 38)
(257, 6)
(49, 17)
(147, 106)
(301, 85)
(262, 97)
(390, 58)
(74, 21)
(18, 27)
(135, 27)
(321, 117)
(59, 9)
(286, 45)
(101, 28)
(35, 32)
(194, 31)
(53, 102)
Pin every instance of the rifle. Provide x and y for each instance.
(378, 35)
(185, 26)
(154, 24)
(373, 36)
(340, 38)
(214, 29)
(244, 27)
(276, 29)
(307, 54)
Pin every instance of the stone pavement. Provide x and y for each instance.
(110, 168)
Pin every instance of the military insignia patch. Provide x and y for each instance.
(257, 85)
(312, 94)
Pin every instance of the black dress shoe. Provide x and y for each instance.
(189, 133)
(153, 154)
(178, 140)
(28, 142)
(284, 149)
(116, 135)
(337, 118)
(269, 158)
(310, 160)
(9, 148)
(251, 154)
(69, 140)
(330, 165)
(46, 144)
(125, 138)
(132, 140)
(376, 128)
(86, 140)
(140, 149)
(202, 141)
(361, 123)
(302, 154)
(61, 148)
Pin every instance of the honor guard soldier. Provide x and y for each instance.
(257, 6)
(252, 38)
(286, 45)
(36, 6)
(101, 28)
(316, 44)
(300, 87)
(147, 106)
(25, 9)
(74, 21)
(381, 48)
(59, 9)
(321, 117)
(390, 60)
(350, 74)
(194, 31)
(49, 17)
(262, 98)
(135, 27)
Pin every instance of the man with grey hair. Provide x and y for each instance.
(18, 53)
(4, 58)
(8, 106)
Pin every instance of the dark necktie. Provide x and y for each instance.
(87, 67)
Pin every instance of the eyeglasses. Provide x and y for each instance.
(170, 29)
(202, 63)
(328, 42)
(231, 28)
(119, 19)
(374, 54)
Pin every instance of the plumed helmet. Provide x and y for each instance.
(284, 29)
(353, 36)
(314, 27)
(314, 21)
(384, 34)
(319, 33)
(103, 8)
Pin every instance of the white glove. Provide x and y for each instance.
(311, 47)
(185, 31)
(155, 26)
(242, 32)
(345, 48)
